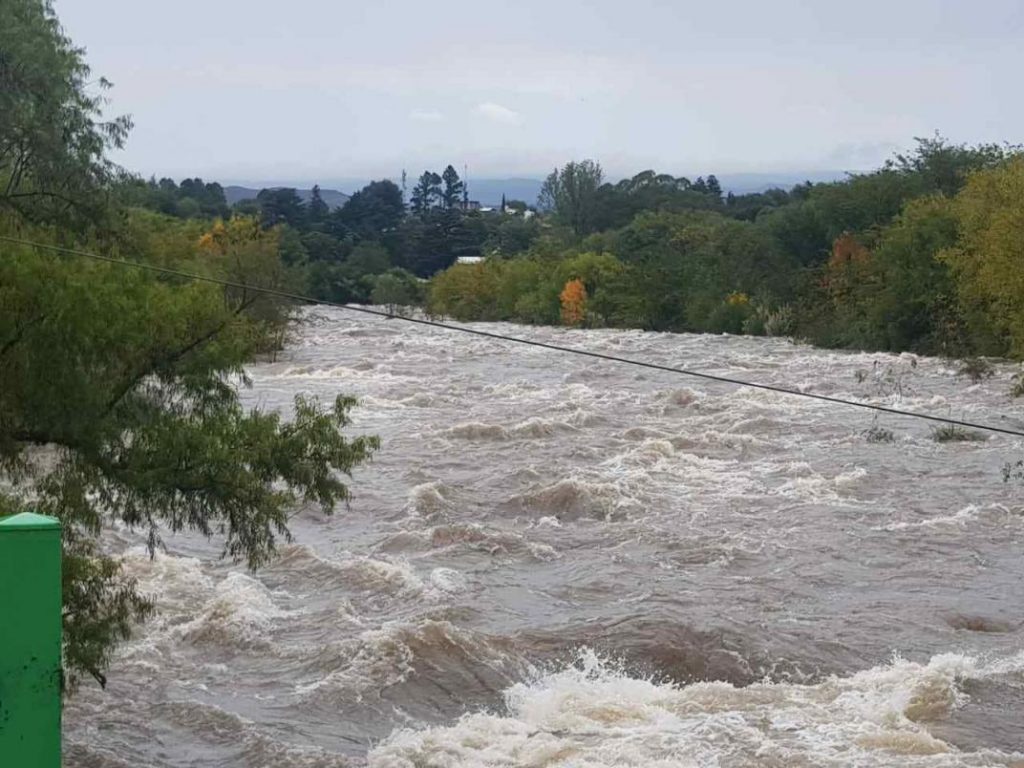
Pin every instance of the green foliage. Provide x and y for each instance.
(918, 255)
(194, 198)
(987, 256)
(129, 379)
(943, 168)
(437, 238)
(426, 193)
(118, 388)
(282, 205)
(373, 211)
(451, 194)
(318, 209)
(511, 236)
(368, 258)
(897, 295)
(571, 193)
(397, 289)
(52, 133)
(320, 246)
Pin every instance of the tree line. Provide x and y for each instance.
(922, 254)
(376, 248)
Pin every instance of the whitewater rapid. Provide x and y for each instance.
(556, 561)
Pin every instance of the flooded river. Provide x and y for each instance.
(556, 561)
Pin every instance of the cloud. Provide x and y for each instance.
(426, 116)
(498, 113)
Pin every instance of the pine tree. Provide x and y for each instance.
(318, 209)
(453, 188)
(714, 188)
(426, 191)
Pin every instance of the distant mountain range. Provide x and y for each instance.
(332, 197)
(490, 191)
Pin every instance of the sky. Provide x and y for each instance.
(313, 90)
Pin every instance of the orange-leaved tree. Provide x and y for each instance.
(574, 302)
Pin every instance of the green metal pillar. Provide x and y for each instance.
(30, 641)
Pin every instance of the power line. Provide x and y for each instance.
(514, 339)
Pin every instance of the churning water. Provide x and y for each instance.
(556, 561)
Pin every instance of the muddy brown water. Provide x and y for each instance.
(556, 561)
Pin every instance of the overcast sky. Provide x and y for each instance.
(265, 90)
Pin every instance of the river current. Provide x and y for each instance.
(559, 561)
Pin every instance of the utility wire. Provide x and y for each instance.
(514, 339)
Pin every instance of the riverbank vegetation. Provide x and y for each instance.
(922, 254)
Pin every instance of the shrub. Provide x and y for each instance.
(977, 369)
(951, 433)
(778, 322)
(397, 289)
(1017, 389)
(877, 434)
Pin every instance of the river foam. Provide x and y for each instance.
(595, 715)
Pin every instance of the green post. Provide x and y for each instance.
(30, 641)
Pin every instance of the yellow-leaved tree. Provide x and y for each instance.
(988, 258)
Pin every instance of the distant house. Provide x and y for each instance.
(469, 259)
(470, 205)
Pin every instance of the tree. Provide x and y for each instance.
(989, 252)
(209, 198)
(368, 258)
(318, 210)
(319, 246)
(944, 167)
(512, 235)
(281, 205)
(574, 302)
(714, 188)
(52, 133)
(374, 210)
(571, 194)
(435, 240)
(453, 188)
(396, 289)
(425, 193)
(909, 300)
(128, 380)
